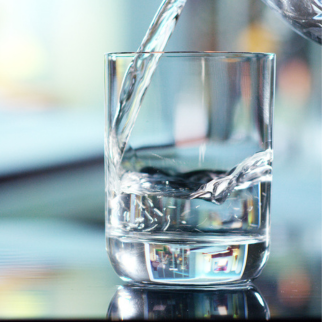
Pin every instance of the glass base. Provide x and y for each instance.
(188, 262)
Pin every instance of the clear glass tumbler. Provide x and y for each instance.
(188, 197)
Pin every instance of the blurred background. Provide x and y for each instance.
(52, 246)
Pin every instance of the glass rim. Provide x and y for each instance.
(214, 54)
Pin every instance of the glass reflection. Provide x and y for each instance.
(156, 302)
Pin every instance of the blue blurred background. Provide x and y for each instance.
(52, 248)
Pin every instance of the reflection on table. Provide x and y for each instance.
(162, 302)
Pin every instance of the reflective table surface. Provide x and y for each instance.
(58, 268)
(53, 262)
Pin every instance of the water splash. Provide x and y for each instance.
(252, 170)
(208, 185)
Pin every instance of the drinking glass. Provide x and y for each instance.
(188, 196)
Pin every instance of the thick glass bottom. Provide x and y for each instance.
(222, 259)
